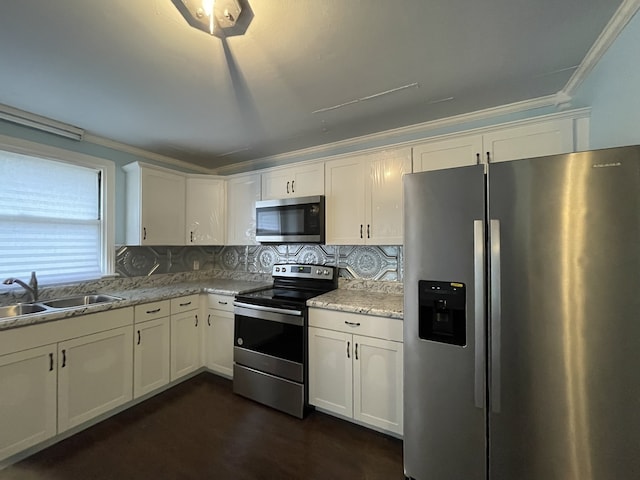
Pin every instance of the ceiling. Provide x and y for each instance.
(137, 73)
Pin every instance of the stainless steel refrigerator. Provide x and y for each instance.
(522, 319)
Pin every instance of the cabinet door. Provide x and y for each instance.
(383, 196)
(242, 194)
(458, 151)
(206, 212)
(330, 371)
(545, 138)
(377, 382)
(308, 180)
(277, 184)
(345, 193)
(185, 343)
(95, 375)
(28, 382)
(151, 356)
(163, 207)
(219, 341)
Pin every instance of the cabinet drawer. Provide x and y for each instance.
(184, 304)
(366, 325)
(221, 302)
(149, 311)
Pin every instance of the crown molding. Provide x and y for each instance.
(139, 152)
(38, 122)
(623, 15)
(387, 136)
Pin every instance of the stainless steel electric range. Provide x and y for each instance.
(271, 337)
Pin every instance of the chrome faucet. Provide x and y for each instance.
(32, 288)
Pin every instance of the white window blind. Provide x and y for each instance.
(50, 219)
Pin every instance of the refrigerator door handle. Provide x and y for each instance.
(496, 315)
(478, 275)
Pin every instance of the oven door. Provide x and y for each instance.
(271, 340)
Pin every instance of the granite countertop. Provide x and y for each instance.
(361, 301)
(136, 296)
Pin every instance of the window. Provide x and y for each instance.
(54, 215)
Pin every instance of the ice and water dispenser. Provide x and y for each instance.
(442, 313)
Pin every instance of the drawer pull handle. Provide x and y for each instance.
(154, 311)
(222, 303)
(352, 324)
(209, 319)
(185, 304)
(139, 337)
(196, 320)
(348, 349)
(64, 358)
(51, 362)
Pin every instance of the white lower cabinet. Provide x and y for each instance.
(331, 371)
(57, 375)
(151, 356)
(94, 375)
(377, 382)
(185, 336)
(218, 336)
(28, 391)
(356, 376)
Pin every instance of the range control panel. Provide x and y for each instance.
(292, 270)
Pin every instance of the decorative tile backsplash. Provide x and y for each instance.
(357, 262)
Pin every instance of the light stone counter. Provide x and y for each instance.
(134, 295)
(379, 303)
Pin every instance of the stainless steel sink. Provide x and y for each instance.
(20, 309)
(79, 301)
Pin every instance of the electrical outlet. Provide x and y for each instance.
(196, 265)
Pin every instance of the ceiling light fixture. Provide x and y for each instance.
(216, 17)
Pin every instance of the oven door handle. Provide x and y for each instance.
(281, 315)
(285, 311)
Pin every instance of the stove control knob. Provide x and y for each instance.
(277, 269)
(284, 269)
(326, 272)
(318, 271)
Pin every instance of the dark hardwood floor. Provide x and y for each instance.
(201, 430)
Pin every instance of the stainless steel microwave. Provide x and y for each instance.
(290, 220)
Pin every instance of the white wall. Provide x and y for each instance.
(612, 90)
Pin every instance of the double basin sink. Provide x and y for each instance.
(53, 305)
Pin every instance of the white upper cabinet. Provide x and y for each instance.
(528, 141)
(297, 181)
(499, 144)
(242, 193)
(155, 213)
(364, 198)
(205, 210)
(458, 151)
